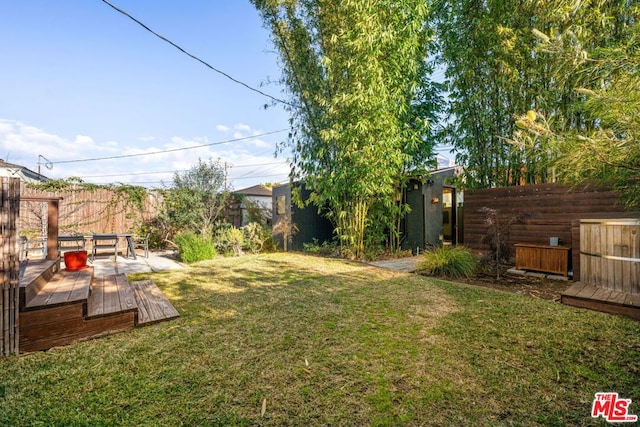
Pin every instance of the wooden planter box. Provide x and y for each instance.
(544, 258)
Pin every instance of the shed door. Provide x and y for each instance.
(449, 216)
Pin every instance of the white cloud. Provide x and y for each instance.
(222, 128)
(84, 139)
(260, 143)
(23, 144)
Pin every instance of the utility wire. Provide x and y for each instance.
(168, 151)
(206, 64)
(174, 171)
(230, 179)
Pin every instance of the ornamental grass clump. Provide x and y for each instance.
(448, 261)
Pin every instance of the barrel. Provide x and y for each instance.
(610, 254)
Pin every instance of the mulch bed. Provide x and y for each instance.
(548, 289)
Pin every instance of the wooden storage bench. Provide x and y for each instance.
(543, 258)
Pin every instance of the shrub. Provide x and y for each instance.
(255, 236)
(229, 240)
(498, 230)
(448, 261)
(327, 248)
(193, 248)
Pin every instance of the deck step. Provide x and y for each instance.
(153, 306)
(34, 275)
(75, 306)
(110, 294)
(65, 287)
(606, 300)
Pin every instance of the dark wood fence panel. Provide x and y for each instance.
(9, 265)
(557, 211)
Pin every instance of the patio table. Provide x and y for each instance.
(130, 247)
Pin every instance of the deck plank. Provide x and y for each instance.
(587, 292)
(64, 287)
(111, 294)
(125, 293)
(574, 289)
(602, 299)
(95, 301)
(601, 294)
(152, 304)
(632, 300)
(616, 297)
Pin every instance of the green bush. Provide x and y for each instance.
(327, 248)
(255, 235)
(448, 261)
(193, 248)
(229, 240)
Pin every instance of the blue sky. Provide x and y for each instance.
(81, 81)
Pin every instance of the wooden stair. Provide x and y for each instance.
(60, 307)
(584, 295)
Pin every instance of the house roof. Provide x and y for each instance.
(256, 190)
(4, 164)
(25, 173)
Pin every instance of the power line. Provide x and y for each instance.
(168, 151)
(174, 171)
(206, 64)
(230, 179)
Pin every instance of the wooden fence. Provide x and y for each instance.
(88, 211)
(9, 265)
(557, 211)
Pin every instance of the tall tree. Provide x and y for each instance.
(354, 70)
(495, 73)
(196, 198)
(607, 84)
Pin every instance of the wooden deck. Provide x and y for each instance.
(63, 307)
(65, 287)
(111, 294)
(602, 299)
(153, 306)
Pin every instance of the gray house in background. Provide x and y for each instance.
(10, 170)
(435, 216)
(311, 225)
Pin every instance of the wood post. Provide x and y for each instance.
(9, 265)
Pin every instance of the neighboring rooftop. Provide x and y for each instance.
(12, 170)
(256, 190)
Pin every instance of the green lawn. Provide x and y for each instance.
(315, 341)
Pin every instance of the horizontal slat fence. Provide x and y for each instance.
(557, 211)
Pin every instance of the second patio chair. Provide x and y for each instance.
(104, 241)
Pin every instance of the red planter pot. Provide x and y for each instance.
(75, 260)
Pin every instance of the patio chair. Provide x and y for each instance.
(104, 241)
(37, 245)
(70, 242)
(141, 242)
